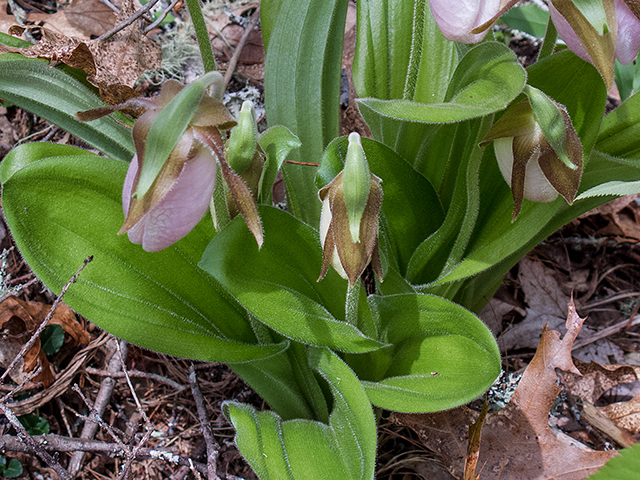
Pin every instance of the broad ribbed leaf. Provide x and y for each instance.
(620, 134)
(486, 80)
(279, 284)
(443, 355)
(307, 450)
(56, 96)
(302, 88)
(63, 204)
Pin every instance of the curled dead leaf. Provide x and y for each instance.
(18, 321)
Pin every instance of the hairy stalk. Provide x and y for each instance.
(206, 52)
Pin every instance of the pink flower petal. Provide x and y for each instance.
(628, 42)
(457, 19)
(566, 33)
(183, 207)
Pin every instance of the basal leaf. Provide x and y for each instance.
(486, 80)
(303, 449)
(302, 88)
(57, 97)
(65, 207)
(279, 284)
(443, 355)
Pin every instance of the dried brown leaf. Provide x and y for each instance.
(113, 65)
(517, 442)
(625, 414)
(18, 322)
(595, 379)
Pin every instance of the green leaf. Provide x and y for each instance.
(443, 355)
(13, 470)
(439, 253)
(620, 134)
(307, 450)
(624, 77)
(410, 206)
(486, 80)
(276, 143)
(63, 208)
(626, 466)
(51, 339)
(527, 18)
(168, 127)
(34, 424)
(279, 284)
(612, 188)
(56, 96)
(302, 89)
(12, 41)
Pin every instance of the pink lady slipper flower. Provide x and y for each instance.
(467, 21)
(178, 193)
(627, 39)
(528, 161)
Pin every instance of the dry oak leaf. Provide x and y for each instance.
(625, 414)
(113, 65)
(596, 379)
(18, 322)
(517, 442)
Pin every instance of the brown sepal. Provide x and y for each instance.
(564, 179)
(240, 193)
(522, 154)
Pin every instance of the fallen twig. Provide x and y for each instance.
(205, 427)
(605, 332)
(27, 441)
(58, 443)
(90, 429)
(127, 21)
(136, 374)
(233, 61)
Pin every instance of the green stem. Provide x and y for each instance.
(206, 52)
(549, 42)
(351, 304)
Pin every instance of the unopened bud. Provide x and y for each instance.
(356, 180)
(244, 139)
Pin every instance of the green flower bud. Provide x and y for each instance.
(356, 180)
(244, 139)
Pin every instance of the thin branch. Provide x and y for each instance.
(127, 21)
(233, 62)
(58, 443)
(205, 427)
(30, 444)
(159, 20)
(136, 374)
(27, 346)
(90, 429)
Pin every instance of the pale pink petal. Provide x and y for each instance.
(183, 207)
(127, 189)
(566, 33)
(457, 19)
(628, 42)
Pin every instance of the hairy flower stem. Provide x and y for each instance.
(549, 41)
(351, 304)
(206, 52)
